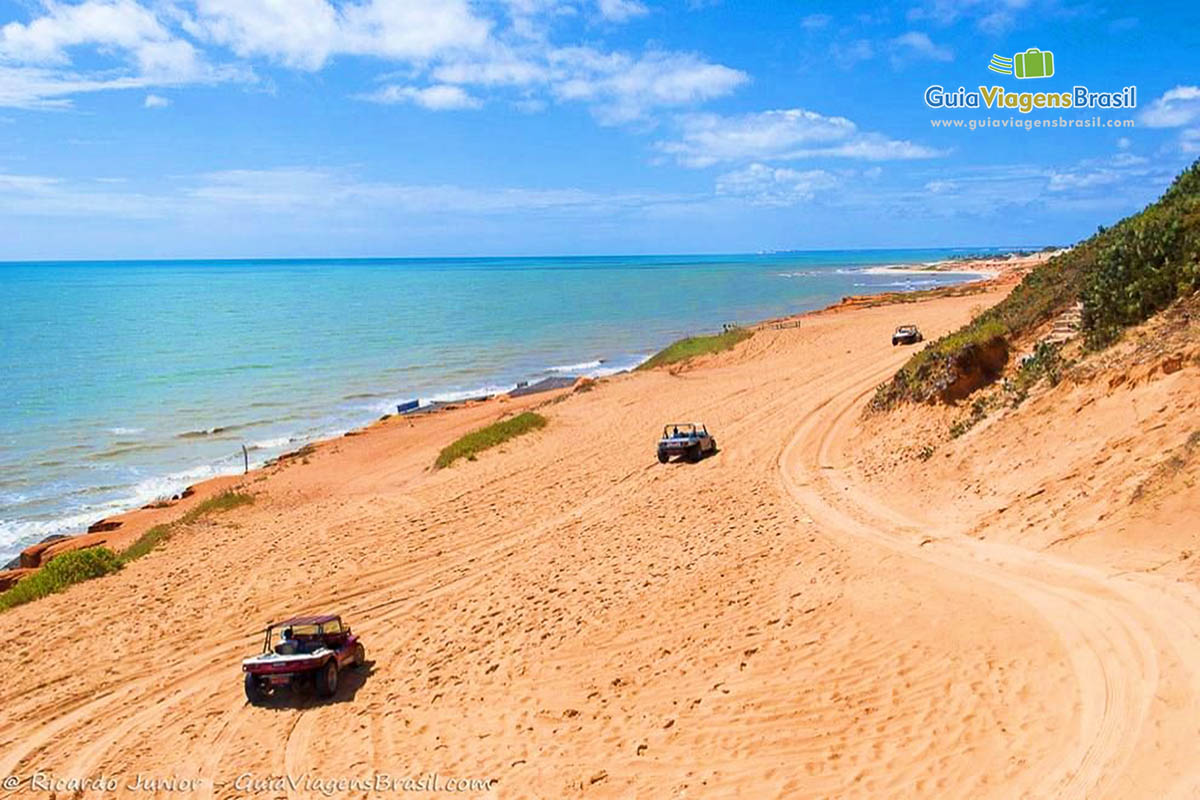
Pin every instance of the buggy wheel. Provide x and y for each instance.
(712, 446)
(694, 453)
(663, 457)
(360, 655)
(254, 690)
(327, 679)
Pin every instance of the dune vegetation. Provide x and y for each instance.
(1122, 275)
(152, 538)
(495, 434)
(75, 566)
(694, 346)
(59, 573)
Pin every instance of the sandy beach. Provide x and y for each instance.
(792, 617)
(599, 400)
(987, 267)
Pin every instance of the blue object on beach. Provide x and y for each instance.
(404, 408)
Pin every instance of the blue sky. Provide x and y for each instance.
(227, 128)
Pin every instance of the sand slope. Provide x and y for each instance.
(571, 618)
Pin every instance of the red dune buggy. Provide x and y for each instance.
(302, 651)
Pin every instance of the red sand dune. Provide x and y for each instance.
(797, 616)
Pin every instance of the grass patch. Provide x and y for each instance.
(694, 346)
(476, 442)
(146, 542)
(225, 501)
(59, 573)
(978, 412)
(1045, 363)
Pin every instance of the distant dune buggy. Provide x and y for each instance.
(906, 334)
(302, 652)
(688, 439)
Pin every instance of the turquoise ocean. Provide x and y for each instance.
(124, 382)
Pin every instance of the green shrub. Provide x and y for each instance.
(979, 410)
(1147, 262)
(1123, 275)
(694, 346)
(225, 501)
(60, 572)
(497, 433)
(146, 542)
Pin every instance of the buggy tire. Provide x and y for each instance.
(254, 690)
(663, 458)
(327, 679)
(694, 453)
(360, 655)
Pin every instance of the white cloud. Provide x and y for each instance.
(785, 134)
(916, 44)
(815, 22)
(498, 66)
(42, 88)
(443, 53)
(36, 195)
(1124, 143)
(1189, 141)
(990, 16)
(1121, 180)
(621, 10)
(620, 87)
(710, 138)
(846, 55)
(156, 101)
(296, 191)
(121, 24)
(440, 97)
(1176, 108)
(36, 57)
(623, 88)
(333, 196)
(288, 189)
(775, 186)
(306, 33)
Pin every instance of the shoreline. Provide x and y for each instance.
(119, 528)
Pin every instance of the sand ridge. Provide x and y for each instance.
(570, 618)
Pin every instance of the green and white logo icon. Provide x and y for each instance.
(1033, 63)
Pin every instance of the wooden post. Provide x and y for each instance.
(245, 460)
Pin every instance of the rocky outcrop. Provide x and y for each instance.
(9, 577)
(37, 555)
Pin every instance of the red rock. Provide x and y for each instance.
(72, 543)
(9, 577)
